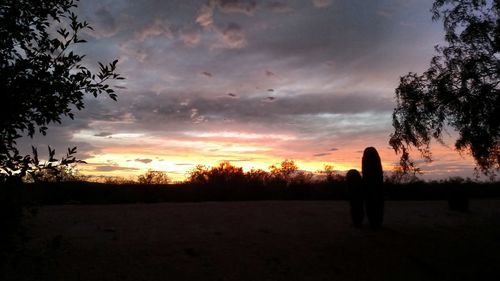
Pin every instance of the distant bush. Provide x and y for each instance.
(153, 177)
(223, 175)
(284, 173)
(329, 175)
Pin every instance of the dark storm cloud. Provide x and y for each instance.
(169, 116)
(105, 23)
(319, 38)
(254, 107)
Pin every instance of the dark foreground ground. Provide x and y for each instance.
(272, 240)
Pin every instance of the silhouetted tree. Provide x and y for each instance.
(223, 175)
(459, 90)
(198, 175)
(356, 196)
(41, 76)
(330, 175)
(373, 184)
(257, 177)
(399, 176)
(153, 177)
(284, 172)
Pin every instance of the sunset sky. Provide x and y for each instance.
(251, 82)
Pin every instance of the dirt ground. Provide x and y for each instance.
(310, 240)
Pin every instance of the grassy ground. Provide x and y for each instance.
(267, 240)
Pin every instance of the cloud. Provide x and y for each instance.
(159, 27)
(237, 160)
(103, 134)
(144, 160)
(205, 16)
(334, 149)
(321, 3)
(207, 74)
(232, 37)
(111, 168)
(190, 38)
(236, 6)
(270, 73)
(279, 7)
(173, 107)
(105, 22)
(321, 154)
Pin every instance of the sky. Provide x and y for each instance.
(250, 82)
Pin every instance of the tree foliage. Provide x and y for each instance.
(153, 177)
(42, 78)
(285, 171)
(225, 174)
(460, 90)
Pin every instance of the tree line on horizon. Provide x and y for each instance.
(285, 173)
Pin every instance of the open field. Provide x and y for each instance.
(266, 240)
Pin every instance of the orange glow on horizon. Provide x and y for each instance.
(129, 155)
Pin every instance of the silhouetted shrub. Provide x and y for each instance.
(330, 175)
(284, 173)
(198, 175)
(153, 177)
(224, 182)
(256, 177)
(373, 180)
(356, 196)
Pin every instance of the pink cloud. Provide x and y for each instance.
(321, 3)
(232, 37)
(158, 28)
